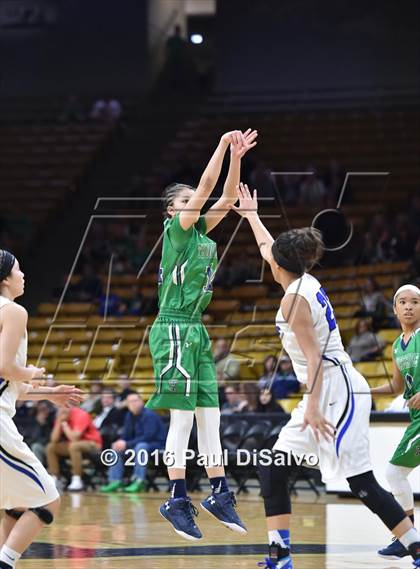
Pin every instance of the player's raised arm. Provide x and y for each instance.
(297, 313)
(190, 215)
(14, 320)
(395, 386)
(248, 208)
(239, 146)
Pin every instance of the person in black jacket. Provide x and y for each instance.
(143, 432)
(110, 419)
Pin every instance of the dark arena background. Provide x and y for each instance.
(105, 103)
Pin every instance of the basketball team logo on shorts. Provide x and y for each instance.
(172, 384)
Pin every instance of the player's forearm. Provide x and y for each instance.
(13, 372)
(211, 174)
(37, 393)
(262, 235)
(232, 180)
(315, 378)
(387, 388)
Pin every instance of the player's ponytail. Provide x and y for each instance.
(170, 193)
(298, 250)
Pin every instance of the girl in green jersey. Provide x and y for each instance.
(406, 379)
(183, 364)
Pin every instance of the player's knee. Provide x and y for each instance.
(377, 499)
(274, 481)
(46, 513)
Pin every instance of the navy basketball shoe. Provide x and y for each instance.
(222, 507)
(278, 558)
(395, 550)
(414, 551)
(180, 513)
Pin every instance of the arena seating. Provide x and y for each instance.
(78, 345)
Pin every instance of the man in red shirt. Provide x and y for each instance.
(73, 435)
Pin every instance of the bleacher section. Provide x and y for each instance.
(79, 346)
(42, 164)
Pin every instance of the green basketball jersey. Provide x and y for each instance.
(407, 358)
(188, 265)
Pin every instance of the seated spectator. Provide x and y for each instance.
(249, 391)
(92, 403)
(225, 362)
(106, 110)
(110, 305)
(282, 380)
(312, 189)
(373, 303)
(365, 345)
(267, 403)
(235, 403)
(110, 419)
(41, 430)
(144, 431)
(123, 391)
(73, 435)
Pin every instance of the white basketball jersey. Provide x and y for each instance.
(325, 325)
(9, 390)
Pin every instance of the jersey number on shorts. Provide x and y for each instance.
(325, 301)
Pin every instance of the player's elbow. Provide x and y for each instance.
(7, 371)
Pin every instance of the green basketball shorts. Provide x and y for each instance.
(184, 370)
(407, 452)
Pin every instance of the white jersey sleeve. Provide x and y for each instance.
(325, 324)
(11, 390)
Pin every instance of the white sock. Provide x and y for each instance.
(76, 478)
(9, 556)
(279, 537)
(411, 536)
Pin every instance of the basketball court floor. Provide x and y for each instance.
(127, 532)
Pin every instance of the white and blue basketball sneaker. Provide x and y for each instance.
(395, 550)
(180, 513)
(278, 558)
(222, 507)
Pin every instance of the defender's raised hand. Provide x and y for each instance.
(248, 205)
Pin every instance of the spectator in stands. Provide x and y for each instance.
(144, 432)
(312, 189)
(73, 435)
(403, 239)
(235, 403)
(267, 403)
(110, 419)
(334, 180)
(281, 379)
(106, 110)
(111, 304)
(41, 430)
(124, 389)
(250, 392)
(225, 362)
(92, 403)
(374, 304)
(365, 345)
